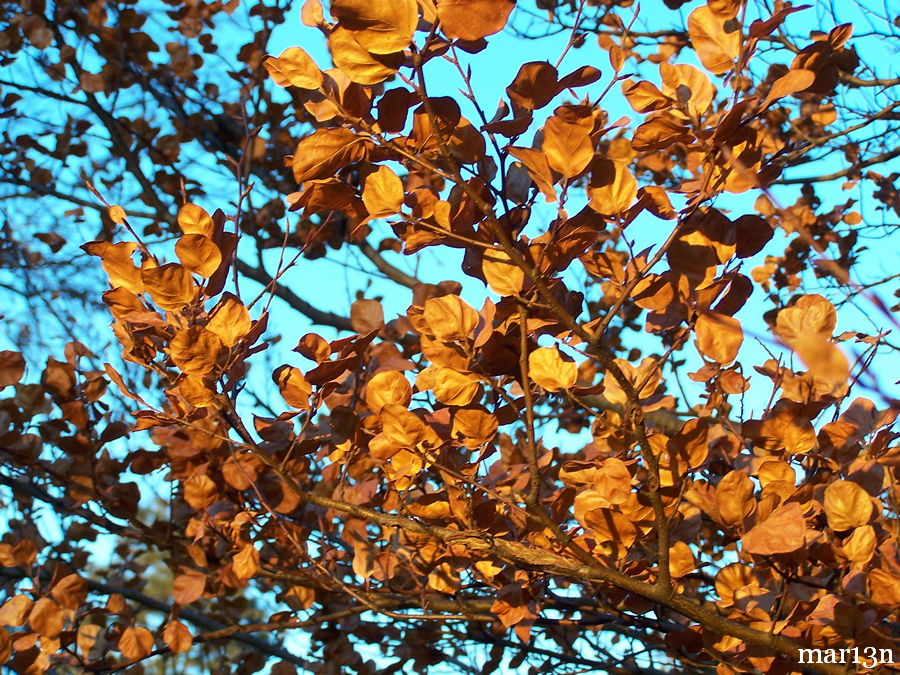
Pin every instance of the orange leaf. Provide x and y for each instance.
(383, 193)
(177, 637)
(716, 40)
(782, 532)
(473, 19)
(847, 505)
(719, 337)
(295, 390)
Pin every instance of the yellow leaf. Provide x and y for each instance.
(383, 193)
(117, 214)
(551, 369)
(294, 67)
(193, 219)
(199, 254)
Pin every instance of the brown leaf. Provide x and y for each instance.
(12, 367)
(188, 586)
(366, 315)
(200, 491)
(46, 618)
(535, 85)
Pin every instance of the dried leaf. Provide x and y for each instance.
(551, 369)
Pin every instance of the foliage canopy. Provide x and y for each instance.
(630, 433)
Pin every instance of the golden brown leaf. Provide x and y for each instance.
(229, 319)
(12, 367)
(388, 387)
(380, 26)
(782, 532)
(171, 285)
(193, 219)
(567, 145)
(450, 318)
(719, 337)
(177, 636)
(295, 390)
(195, 350)
(136, 642)
(199, 254)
